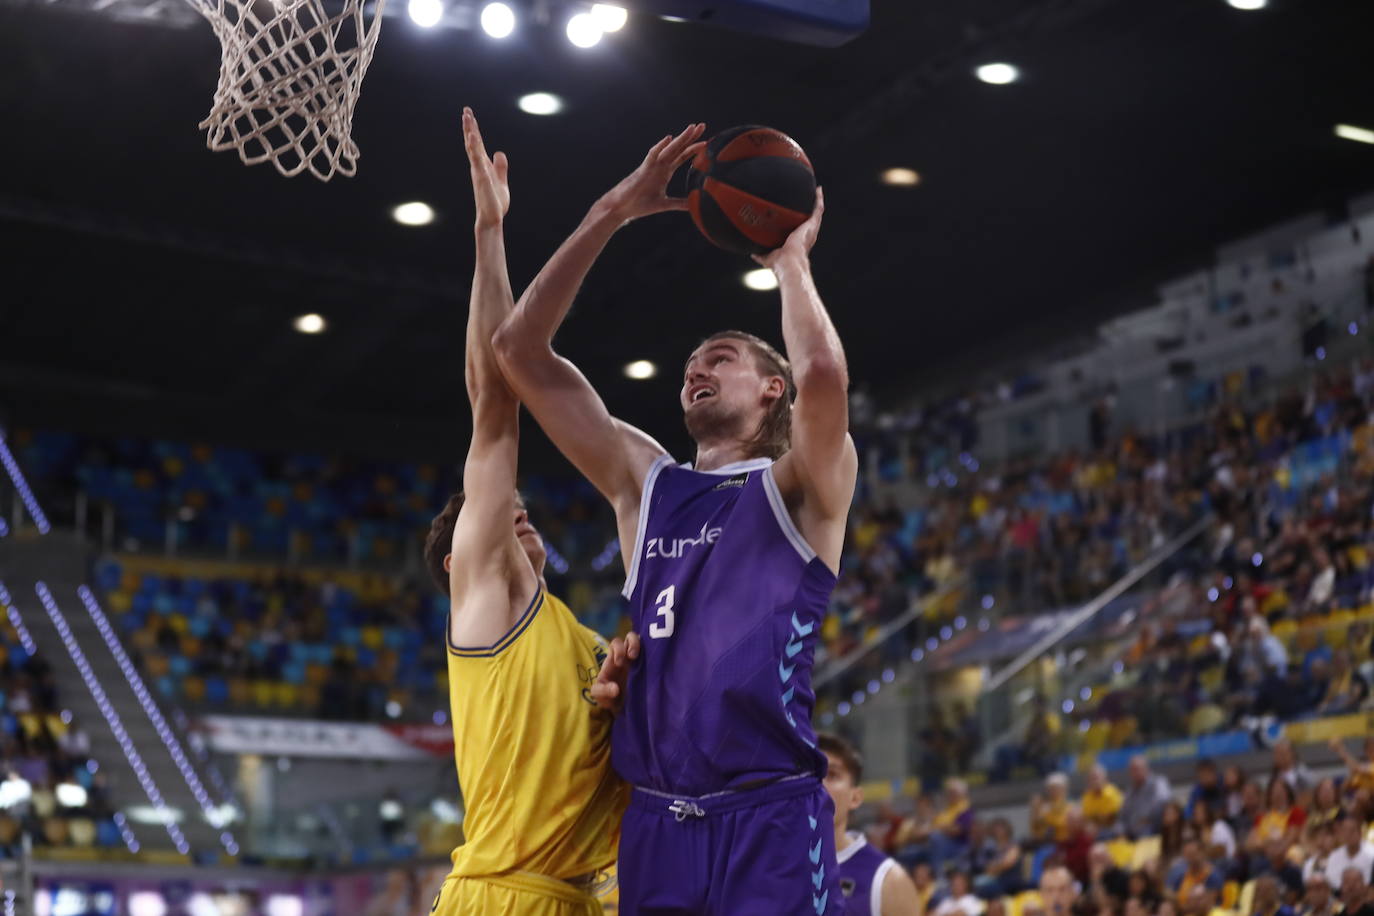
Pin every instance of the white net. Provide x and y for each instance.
(289, 79)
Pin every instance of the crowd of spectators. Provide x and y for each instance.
(1276, 843)
(1271, 616)
(50, 788)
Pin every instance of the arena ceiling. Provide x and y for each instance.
(151, 284)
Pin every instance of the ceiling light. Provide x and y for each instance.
(999, 74)
(640, 369)
(310, 324)
(414, 213)
(1249, 4)
(583, 30)
(901, 177)
(498, 20)
(1358, 134)
(425, 13)
(761, 279)
(540, 103)
(609, 18)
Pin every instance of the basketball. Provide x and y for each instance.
(749, 188)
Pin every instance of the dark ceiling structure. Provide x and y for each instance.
(150, 285)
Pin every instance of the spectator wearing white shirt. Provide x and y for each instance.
(960, 901)
(1354, 852)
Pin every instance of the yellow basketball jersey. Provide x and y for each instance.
(533, 750)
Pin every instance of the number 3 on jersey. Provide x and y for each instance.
(662, 628)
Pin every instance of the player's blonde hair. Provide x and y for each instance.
(774, 435)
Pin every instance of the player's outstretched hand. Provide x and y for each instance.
(802, 239)
(490, 189)
(609, 688)
(645, 190)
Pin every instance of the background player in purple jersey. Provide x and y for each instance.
(872, 883)
(730, 565)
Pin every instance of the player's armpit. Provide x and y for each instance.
(899, 894)
(611, 454)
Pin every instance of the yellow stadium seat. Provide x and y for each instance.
(55, 831)
(1359, 557)
(178, 623)
(262, 693)
(119, 602)
(239, 691)
(83, 832)
(1095, 741)
(158, 665)
(316, 674)
(194, 688)
(1206, 719)
(1276, 600)
(1147, 850)
(1211, 679)
(1284, 629)
(1123, 731)
(190, 646)
(1122, 852)
(32, 724)
(1307, 638)
(286, 695)
(310, 696)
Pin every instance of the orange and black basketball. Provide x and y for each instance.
(749, 188)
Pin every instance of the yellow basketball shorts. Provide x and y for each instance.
(516, 894)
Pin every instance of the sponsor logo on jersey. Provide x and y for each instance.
(673, 548)
(737, 481)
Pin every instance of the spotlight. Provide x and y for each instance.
(1248, 4)
(583, 30)
(1358, 134)
(640, 369)
(310, 324)
(998, 74)
(425, 13)
(413, 213)
(761, 279)
(540, 103)
(901, 177)
(609, 18)
(498, 20)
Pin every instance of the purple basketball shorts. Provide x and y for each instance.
(768, 851)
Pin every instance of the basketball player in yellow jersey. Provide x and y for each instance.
(533, 749)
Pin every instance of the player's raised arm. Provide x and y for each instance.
(822, 457)
(612, 455)
(483, 543)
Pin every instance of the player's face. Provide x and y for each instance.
(723, 393)
(528, 536)
(839, 782)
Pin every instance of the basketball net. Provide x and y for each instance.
(290, 75)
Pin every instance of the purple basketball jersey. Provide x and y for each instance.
(728, 599)
(862, 870)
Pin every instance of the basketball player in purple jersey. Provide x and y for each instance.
(731, 561)
(871, 883)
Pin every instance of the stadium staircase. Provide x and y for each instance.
(60, 561)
